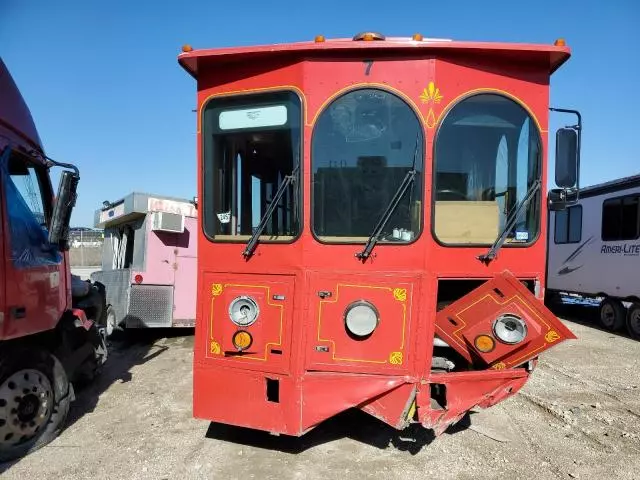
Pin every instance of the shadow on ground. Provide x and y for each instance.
(126, 350)
(353, 424)
(583, 314)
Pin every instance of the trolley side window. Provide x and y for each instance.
(486, 158)
(364, 144)
(621, 218)
(568, 225)
(251, 143)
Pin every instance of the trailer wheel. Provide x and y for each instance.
(612, 314)
(34, 401)
(111, 322)
(633, 321)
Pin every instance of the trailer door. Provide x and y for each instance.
(185, 276)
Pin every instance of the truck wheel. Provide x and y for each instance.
(34, 401)
(92, 366)
(612, 314)
(633, 321)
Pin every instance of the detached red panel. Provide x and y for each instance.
(462, 321)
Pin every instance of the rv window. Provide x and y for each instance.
(621, 218)
(251, 144)
(568, 225)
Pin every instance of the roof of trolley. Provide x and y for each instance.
(552, 55)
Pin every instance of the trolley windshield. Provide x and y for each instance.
(363, 145)
(251, 144)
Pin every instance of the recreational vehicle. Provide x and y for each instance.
(594, 251)
(148, 261)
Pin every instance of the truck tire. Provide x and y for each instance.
(92, 366)
(633, 321)
(35, 394)
(612, 314)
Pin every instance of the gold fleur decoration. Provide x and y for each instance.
(431, 94)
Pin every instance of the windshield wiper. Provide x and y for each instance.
(406, 181)
(253, 241)
(486, 258)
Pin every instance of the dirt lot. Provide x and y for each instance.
(578, 417)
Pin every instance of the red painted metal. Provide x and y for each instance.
(473, 315)
(82, 318)
(550, 56)
(41, 292)
(300, 348)
(465, 391)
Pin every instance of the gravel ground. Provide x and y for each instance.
(578, 417)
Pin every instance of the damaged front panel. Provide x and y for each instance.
(500, 324)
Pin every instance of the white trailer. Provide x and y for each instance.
(594, 251)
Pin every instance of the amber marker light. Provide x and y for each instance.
(417, 37)
(484, 343)
(242, 340)
(319, 39)
(187, 48)
(560, 42)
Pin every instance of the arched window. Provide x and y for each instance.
(363, 145)
(486, 157)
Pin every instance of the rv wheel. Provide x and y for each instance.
(612, 314)
(633, 321)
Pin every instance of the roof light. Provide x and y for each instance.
(187, 48)
(560, 42)
(369, 36)
(417, 37)
(319, 39)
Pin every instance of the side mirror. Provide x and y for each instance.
(65, 201)
(557, 199)
(567, 158)
(560, 199)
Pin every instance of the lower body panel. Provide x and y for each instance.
(139, 306)
(282, 404)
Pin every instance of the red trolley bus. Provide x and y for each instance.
(372, 228)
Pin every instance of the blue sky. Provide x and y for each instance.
(105, 89)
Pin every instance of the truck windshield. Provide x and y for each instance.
(363, 145)
(251, 144)
(487, 157)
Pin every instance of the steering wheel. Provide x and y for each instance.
(449, 191)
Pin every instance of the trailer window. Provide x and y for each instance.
(363, 145)
(568, 225)
(621, 218)
(486, 157)
(251, 144)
